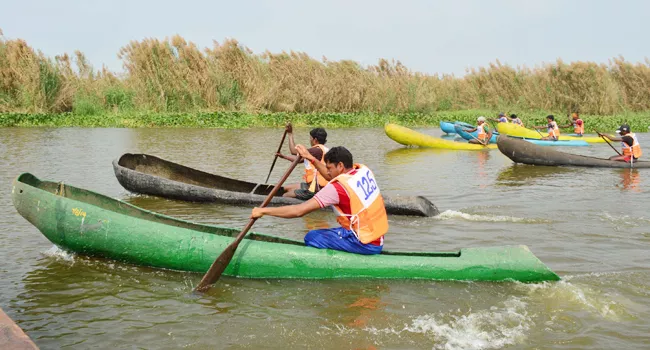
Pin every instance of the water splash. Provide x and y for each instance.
(484, 329)
(59, 254)
(453, 214)
(569, 296)
(492, 328)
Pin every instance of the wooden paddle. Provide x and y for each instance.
(220, 264)
(610, 145)
(475, 138)
(276, 153)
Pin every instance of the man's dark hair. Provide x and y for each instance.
(319, 134)
(551, 117)
(339, 154)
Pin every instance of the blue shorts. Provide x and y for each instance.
(339, 238)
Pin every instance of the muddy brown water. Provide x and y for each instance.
(591, 226)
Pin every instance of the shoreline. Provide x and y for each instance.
(639, 122)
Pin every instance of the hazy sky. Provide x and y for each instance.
(427, 36)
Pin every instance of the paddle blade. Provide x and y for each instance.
(217, 268)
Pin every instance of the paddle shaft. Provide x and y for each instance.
(475, 138)
(276, 155)
(220, 264)
(610, 145)
(481, 143)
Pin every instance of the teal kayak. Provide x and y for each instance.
(574, 143)
(448, 127)
(88, 223)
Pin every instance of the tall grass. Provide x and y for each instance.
(176, 76)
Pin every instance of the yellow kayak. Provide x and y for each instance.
(409, 137)
(516, 130)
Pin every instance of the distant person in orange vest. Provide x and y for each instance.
(553, 129)
(577, 124)
(501, 118)
(313, 181)
(353, 193)
(515, 120)
(484, 133)
(629, 144)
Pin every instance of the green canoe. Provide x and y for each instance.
(89, 223)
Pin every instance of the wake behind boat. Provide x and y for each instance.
(89, 223)
(524, 152)
(147, 174)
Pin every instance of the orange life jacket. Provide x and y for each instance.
(312, 177)
(553, 130)
(368, 219)
(634, 150)
(579, 129)
(482, 135)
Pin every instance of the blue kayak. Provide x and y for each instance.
(460, 130)
(554, 143)
(448, 127)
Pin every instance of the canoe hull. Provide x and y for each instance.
(88, 223)
(147, 174)
(520, 151)
(516, 130)
(408, 137)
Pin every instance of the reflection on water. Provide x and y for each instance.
(524, 175)
(589, 225)
(630, 179)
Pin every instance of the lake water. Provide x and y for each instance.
(591, 226)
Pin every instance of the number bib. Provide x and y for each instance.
(364, 186)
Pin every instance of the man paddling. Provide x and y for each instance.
(353, 193)
(629, 144)
(501, 118)
(553, 129)
(577, 124)
(313, 181)
(516, 120)
(484, 133)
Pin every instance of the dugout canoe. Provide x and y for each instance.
(448, 127)
(147, 174)
(88, 223)
(524, 152)
(519, 131)
(409, 137)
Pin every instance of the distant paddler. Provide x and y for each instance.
(553, 129)
(577, 124)
(313, 180)
(501, 118)
(631, 149)
(354, 194)
(515, 120)
(484, 132)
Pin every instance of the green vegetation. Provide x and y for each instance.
(638, 122)
(173, 82)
